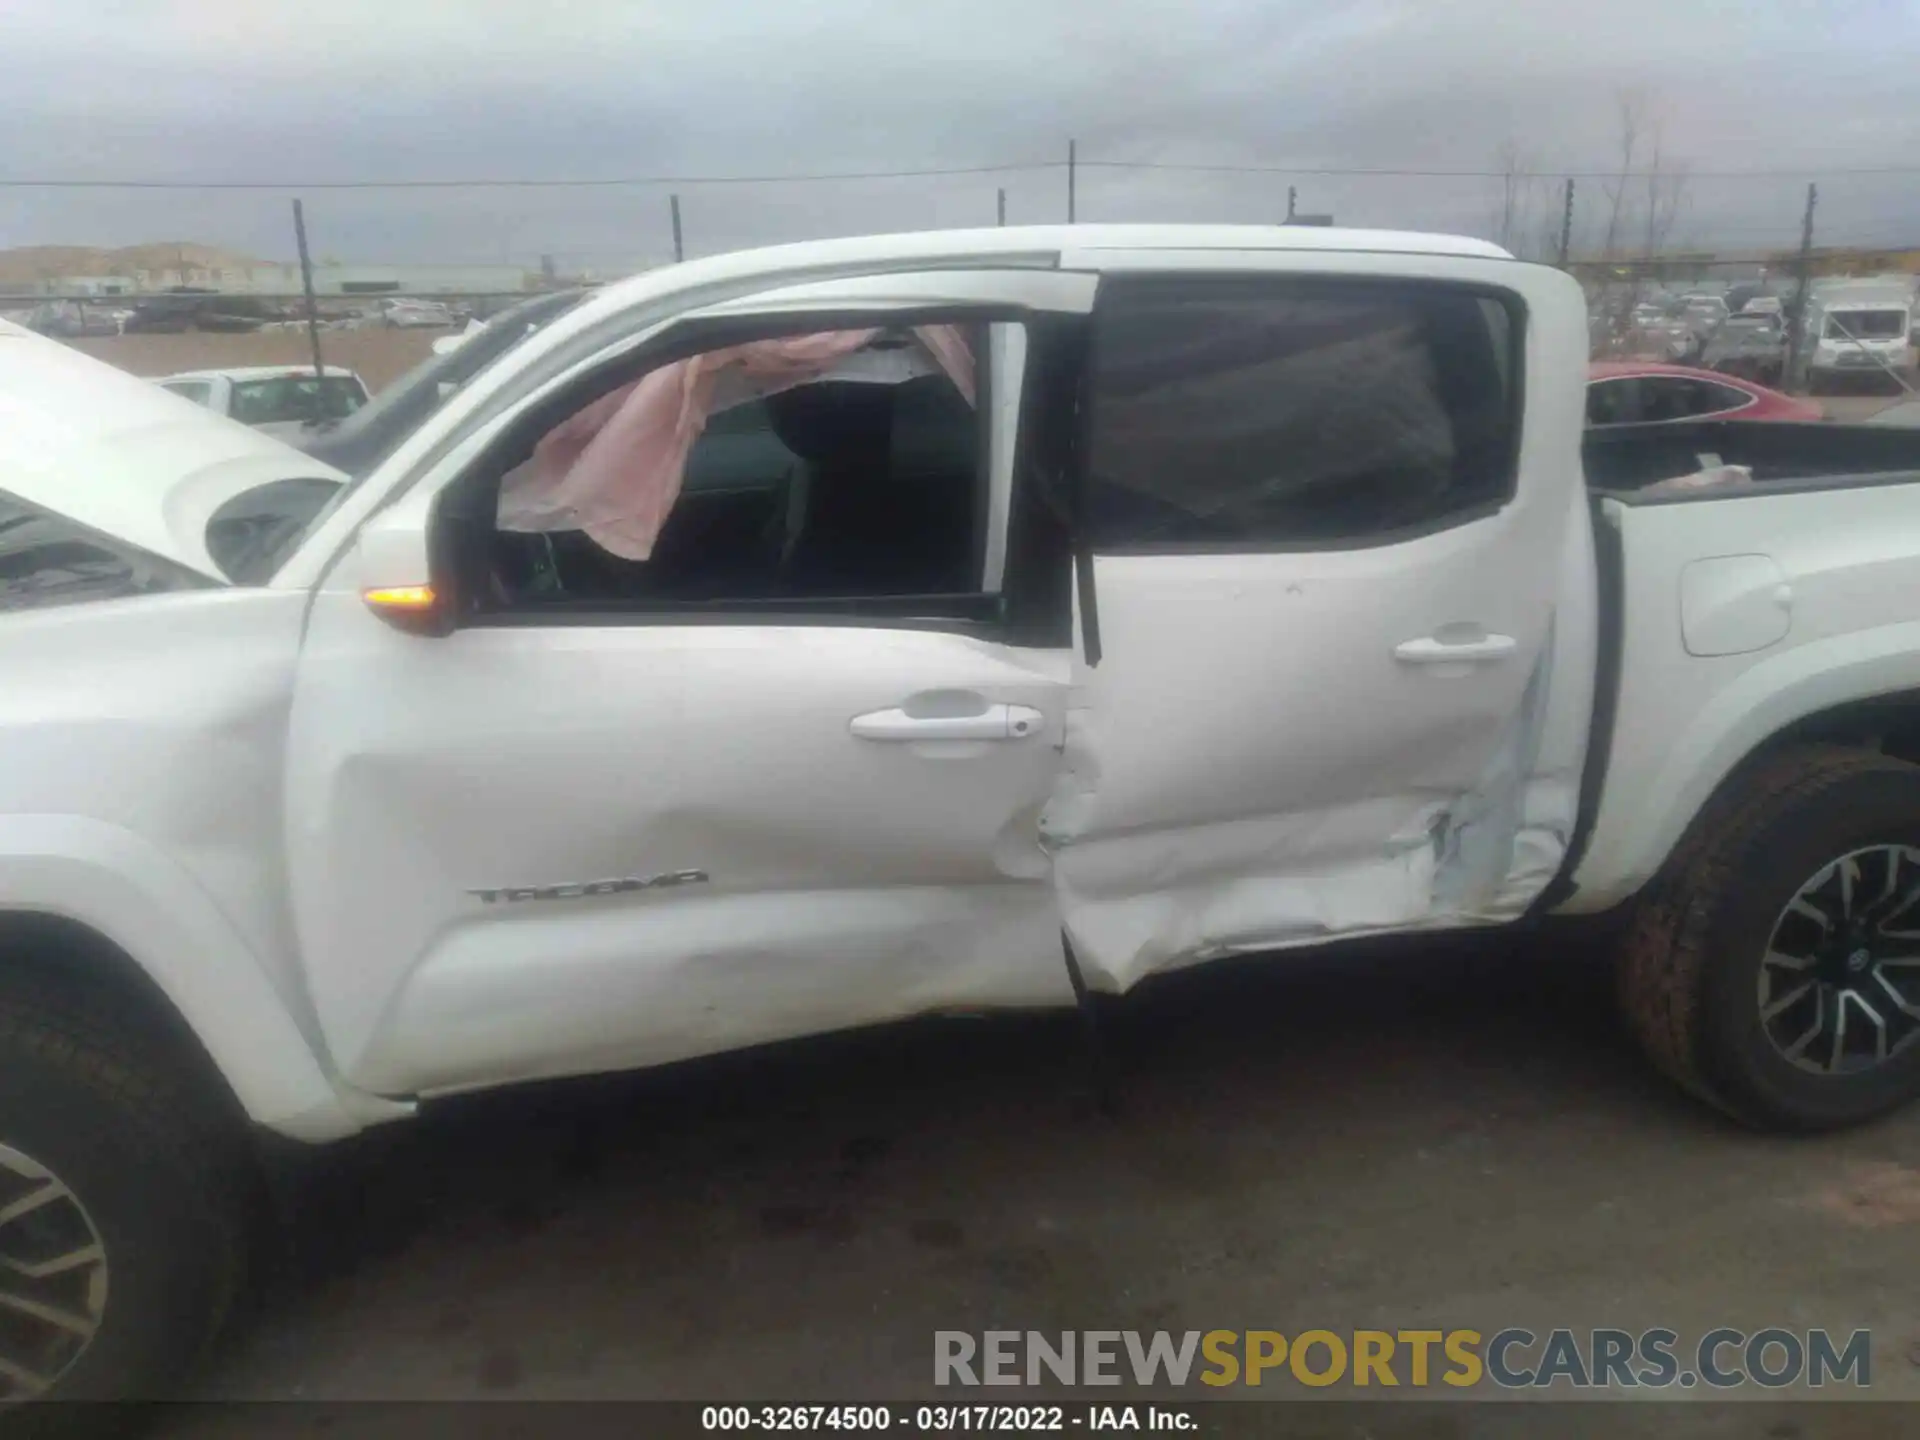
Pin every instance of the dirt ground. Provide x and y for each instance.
(1449, 1134)
(379, 355)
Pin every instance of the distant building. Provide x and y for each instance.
(389, 279)
(97, 285)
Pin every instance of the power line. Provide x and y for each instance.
(529, 183)
(1545, 173)
(545, 182)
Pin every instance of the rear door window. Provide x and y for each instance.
(1246, 412)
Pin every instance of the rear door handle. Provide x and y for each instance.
(996, 722)
(1432, 650)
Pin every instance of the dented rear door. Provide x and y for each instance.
(1329, 500)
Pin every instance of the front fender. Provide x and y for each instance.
(124, 888)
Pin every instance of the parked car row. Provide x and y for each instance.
(1687, 325)
(337, 420)
(1752, 344)
(188, 308)
(182, 310)
(77, 319)
(1855, 329)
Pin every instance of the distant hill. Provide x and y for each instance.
(47, 262)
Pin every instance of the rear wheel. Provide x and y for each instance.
(1774, 969)
(121, 1234)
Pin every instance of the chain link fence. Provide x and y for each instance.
(1667, 256)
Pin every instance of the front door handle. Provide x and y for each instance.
(995, 722)
(1432, 650)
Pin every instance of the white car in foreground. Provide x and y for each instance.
(279, 399)
(807, 638)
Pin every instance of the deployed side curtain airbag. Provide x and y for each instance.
(614, 469)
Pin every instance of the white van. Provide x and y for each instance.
(1863, 330)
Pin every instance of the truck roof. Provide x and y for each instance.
(1031, 243)
(1863, 292)
(1026, 239)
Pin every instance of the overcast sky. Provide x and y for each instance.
(335, 90)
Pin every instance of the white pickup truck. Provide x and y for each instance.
(279, 399)
(807, 638)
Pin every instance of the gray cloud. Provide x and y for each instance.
(395, 89)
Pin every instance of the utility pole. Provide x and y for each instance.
(313, 312)
(1293, 199)
(1003, 207)
(1795, 373)
(679, 250)
(1566, 225)
(1072, 177)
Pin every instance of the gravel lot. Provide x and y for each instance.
(1448, 1134)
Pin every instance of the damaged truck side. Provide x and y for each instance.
(812, 637)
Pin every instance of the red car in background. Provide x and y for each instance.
(1628, 392)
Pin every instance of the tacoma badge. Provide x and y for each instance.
(579, 889)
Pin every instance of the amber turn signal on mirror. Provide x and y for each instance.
(415, 609)
(400, 597)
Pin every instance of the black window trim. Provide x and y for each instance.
(1508, 299)
(864, 612)
(957, 613)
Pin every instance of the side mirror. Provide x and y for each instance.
(400, 575)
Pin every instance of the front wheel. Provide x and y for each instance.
(1774, 969)
(121, 1235)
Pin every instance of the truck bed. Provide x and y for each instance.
(1721, 624)
(1624, 459)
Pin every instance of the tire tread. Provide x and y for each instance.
(1664, 957)
(184, 1129)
